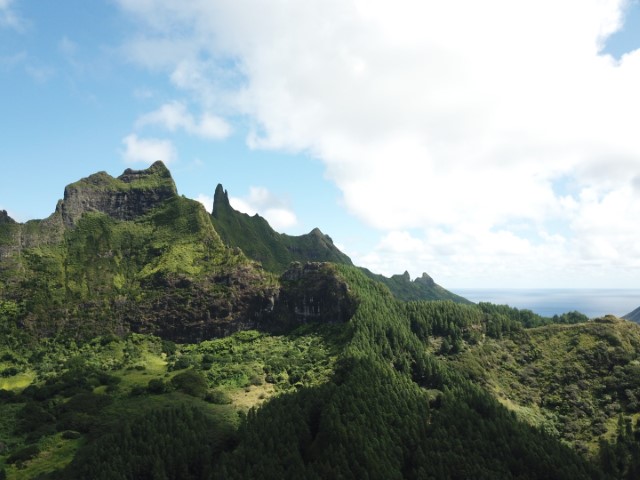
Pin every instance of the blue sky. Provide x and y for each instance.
(492, 148)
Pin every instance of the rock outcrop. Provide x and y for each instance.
(313, 292)
(131, 195)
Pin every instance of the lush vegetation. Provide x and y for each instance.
(110, 276)
(60, 397)
(357, 384)
(275, 251)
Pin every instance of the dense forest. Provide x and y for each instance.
(380, 396)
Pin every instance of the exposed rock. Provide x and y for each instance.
(5, 218)
(220, 200)
(425, 280)
(127, 197)
(313, 292)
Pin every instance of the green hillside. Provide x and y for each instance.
(128, 254)
(275, 251)
(365, 398)
(572, 380)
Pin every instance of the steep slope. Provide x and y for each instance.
(633, 316)
(255, 237)
(128, 253)
(573, 381)
(421, 288)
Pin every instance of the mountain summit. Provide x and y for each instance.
(126, 197)
(129, 254)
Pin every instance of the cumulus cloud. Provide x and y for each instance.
(454, 119)
(147, 150)
(261, 201)
(175, 116)
(206, 200)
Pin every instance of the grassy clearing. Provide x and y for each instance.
(17, 382)
(147, 367)
(55, 453)
(251, 396)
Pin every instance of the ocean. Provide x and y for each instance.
(548, 302)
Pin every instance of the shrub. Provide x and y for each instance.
(168, 347)
(181, 363)
(137, 390)
(24, 454)
(190, 382)
(218, 397)
(157, 386)
(9, 372)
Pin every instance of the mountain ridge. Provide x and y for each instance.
(129, 254)
(258, 240)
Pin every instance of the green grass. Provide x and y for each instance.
(17, 382)
(55, 453)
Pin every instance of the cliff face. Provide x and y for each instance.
(313, 292)
(131, 195)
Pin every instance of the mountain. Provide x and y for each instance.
(275, 251)
(129, 254)
(421, 288)
(633, 316)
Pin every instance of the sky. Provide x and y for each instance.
(490, 144)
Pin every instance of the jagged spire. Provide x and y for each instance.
(220, 199)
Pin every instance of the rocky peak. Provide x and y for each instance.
(127, 197)
(156, 171)
(404, 278)
(220, 199)
(425, 280)
(5, 218)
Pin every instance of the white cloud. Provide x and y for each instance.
(147, 150)
(455, 119)
(261, 201)
(205, 200)
(174, 116)
(8, 17)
